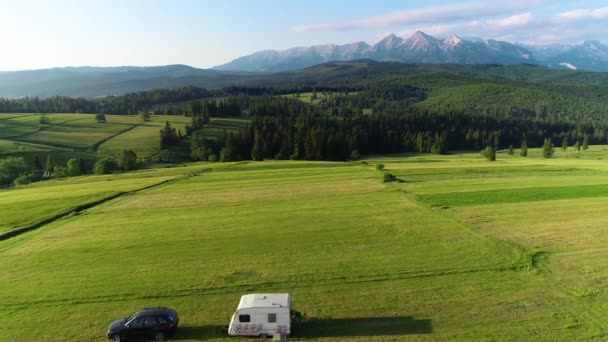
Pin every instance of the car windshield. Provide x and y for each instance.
(130, 318)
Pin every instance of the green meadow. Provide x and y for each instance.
(217, 126)
(458, 249)
(79, 135)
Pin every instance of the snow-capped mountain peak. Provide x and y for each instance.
(423, 48)
(453, 41)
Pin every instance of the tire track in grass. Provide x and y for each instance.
(248, 287)
(82, 207)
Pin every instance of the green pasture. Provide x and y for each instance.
(307, 96)
(143, 138)
(217, 126)
(75, 134)
(459, 249)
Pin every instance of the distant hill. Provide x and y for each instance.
(98, 81)
(91, 82)
(423, 48)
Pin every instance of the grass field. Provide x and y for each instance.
(216, 126)
(461, 248)
(81, 135)
(144, 138)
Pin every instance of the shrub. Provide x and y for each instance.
(354, 155)
(226, 155)
(128, 160)
(379, 167)
(44, 120)
(105, 166)
(60, 172)
(73, 167)
(11, 168)
(23, 179)
(212, 158)
(388, 177)
(100, 118)
(489, 153)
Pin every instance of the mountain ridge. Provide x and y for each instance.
(424, 48)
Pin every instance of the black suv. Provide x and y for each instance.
(156, 323)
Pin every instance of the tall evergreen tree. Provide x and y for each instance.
(37, 163)
(586, 143)
(565, 144)
(548, 149)
(524, 148)
(49, 165)
(257, 153)
(168, 136)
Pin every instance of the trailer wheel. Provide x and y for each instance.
(264, 335)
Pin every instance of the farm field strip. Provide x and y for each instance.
(216, 126)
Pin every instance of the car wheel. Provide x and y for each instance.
(116, 338)
(159, 336)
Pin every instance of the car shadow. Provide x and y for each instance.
(361, 327)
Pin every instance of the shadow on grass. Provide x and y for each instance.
(318, 328)
(198, 333)
(360, 327)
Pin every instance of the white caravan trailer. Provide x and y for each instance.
(262, 315)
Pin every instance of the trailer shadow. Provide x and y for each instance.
(361, 327)
(199, 332)
(326, 327)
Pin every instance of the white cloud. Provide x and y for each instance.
(425, 15)
(514, 20)
(582, 14)
(563, 27)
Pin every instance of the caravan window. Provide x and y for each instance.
(272, 318)
(244, 318)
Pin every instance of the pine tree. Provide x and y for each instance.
(257, 153)
(37, 164)
(577, 146)
(168, 136)
(524, 148)
(565, 144)
(511, 151)
(586, 143)
(50, 165)
(548, 149)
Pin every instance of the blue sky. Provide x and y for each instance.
(204, 33)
